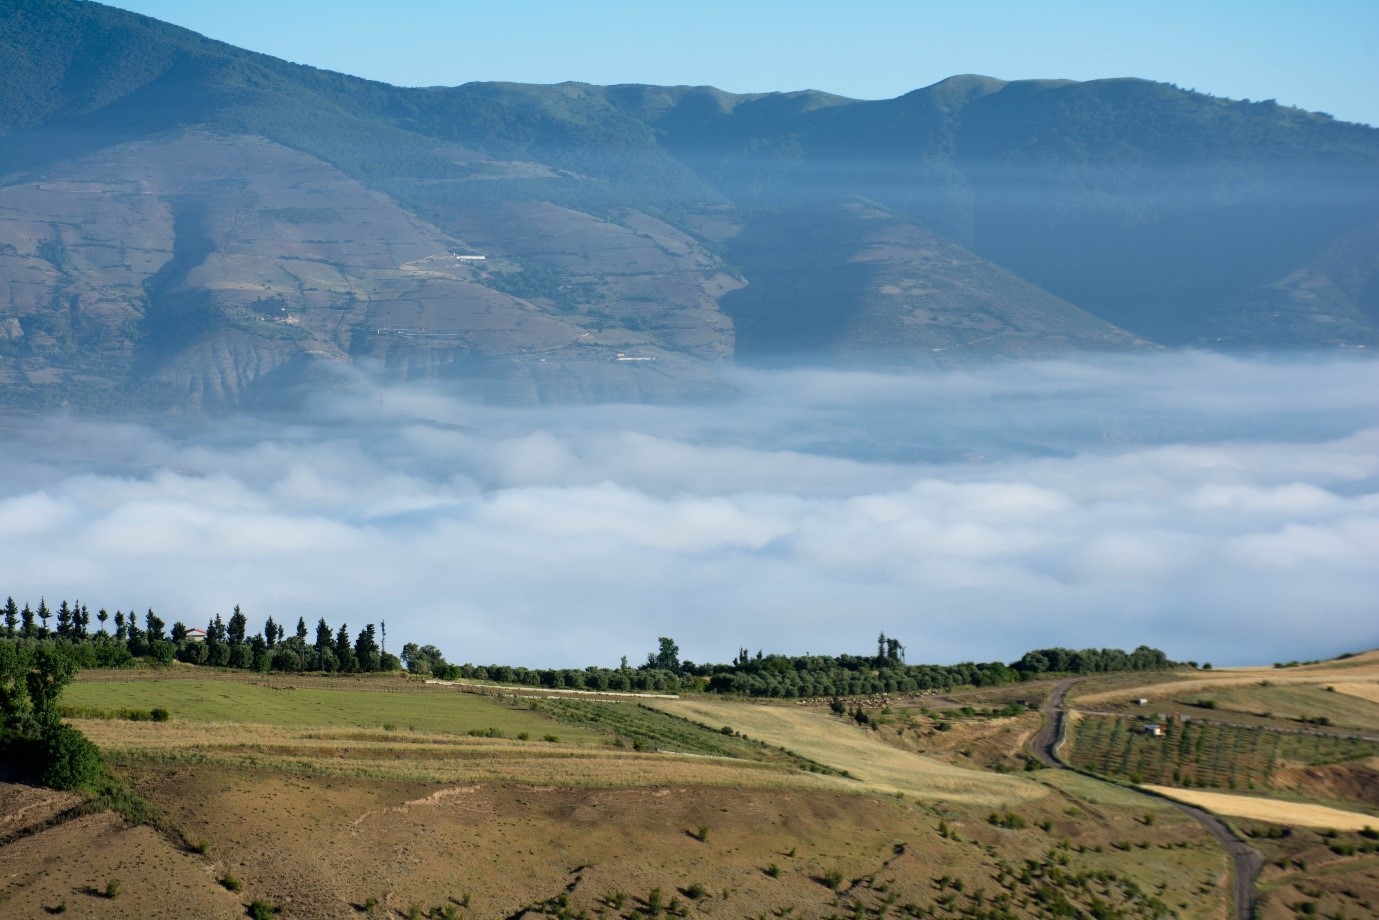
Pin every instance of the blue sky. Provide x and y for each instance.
(1319, 55)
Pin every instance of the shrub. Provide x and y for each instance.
(1008, 820)
(230, 883)
(262, 910)
(832, 879)
(772, 870)
(70, 761)
(159, 714)
(112, 889)
(695, 891)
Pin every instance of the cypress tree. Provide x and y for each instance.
(344, 654)
(366, 651)
(239, 624)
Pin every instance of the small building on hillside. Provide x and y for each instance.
(1153, 729)
(196, 635)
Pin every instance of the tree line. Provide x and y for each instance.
(786, 677)
(228, 644)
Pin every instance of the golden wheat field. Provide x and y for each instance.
(1273, 811)
(843, 746)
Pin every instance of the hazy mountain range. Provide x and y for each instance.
(187, 224)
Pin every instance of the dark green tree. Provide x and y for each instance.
(667, 656)
(344, 653)
(217, 648)
(238, 627)
(325, 646)
(366, 651)
(52, 669)
(154, 626)
(11, 617)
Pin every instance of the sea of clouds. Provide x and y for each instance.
(1223, 509)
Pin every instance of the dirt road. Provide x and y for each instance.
(1246, 860)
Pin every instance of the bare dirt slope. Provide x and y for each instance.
(55, 862)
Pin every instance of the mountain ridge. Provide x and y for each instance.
(629, 217)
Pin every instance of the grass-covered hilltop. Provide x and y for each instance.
(263, 225)
(305, 774)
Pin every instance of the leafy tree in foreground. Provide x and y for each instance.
(32, 675)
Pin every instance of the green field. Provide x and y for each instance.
(361, 705)
(1201, 754)
(650, 729)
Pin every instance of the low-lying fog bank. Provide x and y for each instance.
(1222, 509)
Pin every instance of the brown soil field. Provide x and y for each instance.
(54, 862)
(1344, 782)
(317, 846)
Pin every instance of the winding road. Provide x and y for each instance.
(1246, 860)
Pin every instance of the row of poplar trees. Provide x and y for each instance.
(226, 643)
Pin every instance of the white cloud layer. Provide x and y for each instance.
(1222, 509)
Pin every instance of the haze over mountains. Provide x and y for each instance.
(186, 224)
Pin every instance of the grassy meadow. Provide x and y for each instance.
(381, 703)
